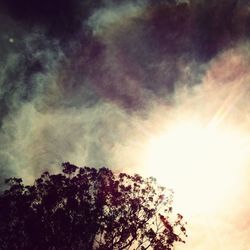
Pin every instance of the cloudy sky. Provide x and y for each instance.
(125, 84)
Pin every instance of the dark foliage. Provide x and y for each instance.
(86, 208)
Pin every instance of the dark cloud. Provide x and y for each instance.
(199, 28)
(121, 51)
(148, 48)
(59, 17)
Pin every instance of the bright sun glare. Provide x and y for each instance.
(201, 164)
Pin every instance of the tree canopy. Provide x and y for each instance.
(87, 208)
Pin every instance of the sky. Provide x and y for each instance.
(154, 87)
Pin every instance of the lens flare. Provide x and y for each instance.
(203, 165)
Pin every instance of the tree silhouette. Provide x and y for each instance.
(86, 208)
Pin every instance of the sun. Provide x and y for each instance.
(203, 165)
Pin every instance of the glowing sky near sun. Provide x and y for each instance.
(204, 152)
(201, 150)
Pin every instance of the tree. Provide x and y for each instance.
(86, 208)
